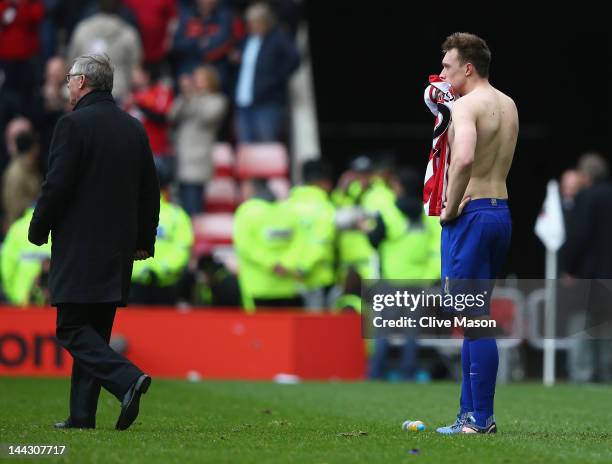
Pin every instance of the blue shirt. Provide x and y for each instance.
(246, 78)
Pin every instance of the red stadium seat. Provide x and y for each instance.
(211, 231)
(221, 195)
(262, 160)
(223, 160)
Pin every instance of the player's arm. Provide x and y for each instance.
(462, 157)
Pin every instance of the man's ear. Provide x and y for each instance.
(469, 69)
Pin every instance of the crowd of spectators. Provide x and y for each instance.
(193, 71)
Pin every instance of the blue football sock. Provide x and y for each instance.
(465, 403)
(484, 360)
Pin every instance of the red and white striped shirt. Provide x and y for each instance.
(439, 97)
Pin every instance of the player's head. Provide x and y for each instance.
(466, 58)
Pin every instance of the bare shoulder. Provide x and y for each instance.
(506, 100)
(465, 106)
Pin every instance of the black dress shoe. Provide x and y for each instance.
(69, 424)
(131, 402)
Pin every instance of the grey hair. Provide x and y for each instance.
(260, 12)
(97, 68)
(594, 166)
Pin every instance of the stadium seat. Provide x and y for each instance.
(221, 195)
(223, 160)
(211, 231)
(262, 160)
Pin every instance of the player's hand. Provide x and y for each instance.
(140, 255)
(447, 216)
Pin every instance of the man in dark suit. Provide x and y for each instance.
(268, 59)
(587, 255)
(587, 252)
(100, 201)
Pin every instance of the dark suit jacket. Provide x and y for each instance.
(277, 59)
(100, 200)
(587, 252)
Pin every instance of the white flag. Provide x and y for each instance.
(549, 226)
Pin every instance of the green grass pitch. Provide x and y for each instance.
(261, 422)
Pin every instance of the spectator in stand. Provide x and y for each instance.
(204, 35)
(268, 60)
(21, 181)
(124, 11)
(197, 114)
(19, 46)
(106, 33)
(54, 91)
(59, 21)
(157, 21)
(150, 103)
(49, 28)
(51, 103)
(9, 109)
(571, 183)
(588, 250)
(587, 254)
(70, 13)
(13, 129)
(287, 12)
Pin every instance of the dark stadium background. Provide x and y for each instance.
(371, 61)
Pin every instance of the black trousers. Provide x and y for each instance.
(84, 330)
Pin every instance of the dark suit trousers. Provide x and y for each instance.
(84, 330)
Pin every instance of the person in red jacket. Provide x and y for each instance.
(19, 45)
(150, 102)
(156, 21)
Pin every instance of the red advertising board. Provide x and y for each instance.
(214, 344)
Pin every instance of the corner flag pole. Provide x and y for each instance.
(550, 229)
